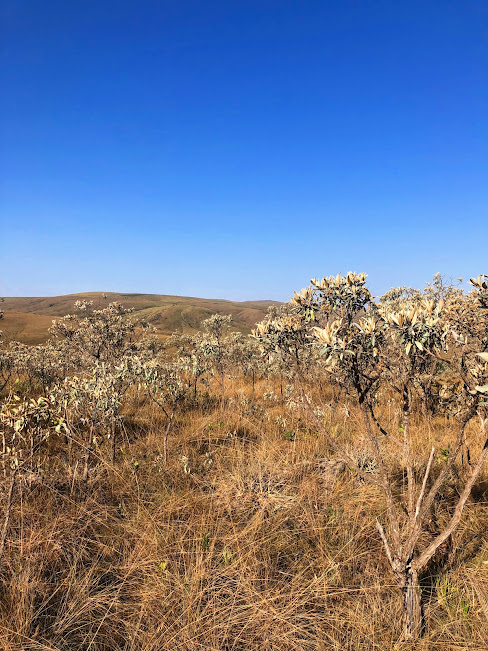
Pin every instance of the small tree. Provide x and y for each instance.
(214, 347)
(90, 408)
(190, 357)
(167, 383)
(93, 336)
(26, 426)
(368, 350)
(244, 354)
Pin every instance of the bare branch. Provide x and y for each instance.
(423, 559)
(382, 429)
(381, 531)
(424, 483)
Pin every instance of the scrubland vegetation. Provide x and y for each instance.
(317, 485)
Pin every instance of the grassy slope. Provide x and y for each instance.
(28, 318)
(25, 327)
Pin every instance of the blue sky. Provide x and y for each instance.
(237, 148)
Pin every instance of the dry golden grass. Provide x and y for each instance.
(250, 550)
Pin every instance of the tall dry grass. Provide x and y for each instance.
(240, 543)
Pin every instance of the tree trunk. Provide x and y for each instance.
(408, 582)
(412, 604)
(165, 438)
(87, 456)
(222, 390)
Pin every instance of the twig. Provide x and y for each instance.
(424, 483)
(381, 531)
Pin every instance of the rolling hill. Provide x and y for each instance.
(27, 319)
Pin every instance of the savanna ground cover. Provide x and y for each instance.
(320, 484)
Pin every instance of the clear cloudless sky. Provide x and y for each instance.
(237, 148)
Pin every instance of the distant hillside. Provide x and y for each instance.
(27, 319)
(24, 327)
